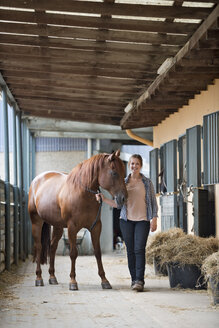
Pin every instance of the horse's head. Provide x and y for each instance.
(111, 177)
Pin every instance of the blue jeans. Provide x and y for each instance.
(135, 235)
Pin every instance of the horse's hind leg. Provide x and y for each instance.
(56, 235)
(37, 224)
(95, 236)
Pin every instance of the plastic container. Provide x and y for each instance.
(185, 276)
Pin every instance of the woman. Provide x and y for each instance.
(138, 217)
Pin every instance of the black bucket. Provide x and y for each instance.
(214, 284)
(185, 276)
(160, 270)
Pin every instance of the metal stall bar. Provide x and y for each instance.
(33, 159)
(16, 216)
(28, 159)
(24, 152)
(20, 185)
(7, 182)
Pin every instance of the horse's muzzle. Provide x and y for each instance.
(120, 199)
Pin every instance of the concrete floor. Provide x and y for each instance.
(24, 305)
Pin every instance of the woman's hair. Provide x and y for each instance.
(135, 156)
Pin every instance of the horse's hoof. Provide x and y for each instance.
(53, 281)
(39, 282)
(106, 285)
(73, 286)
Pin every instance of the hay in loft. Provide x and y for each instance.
(156, 243)
(210, 267)
(188, 249)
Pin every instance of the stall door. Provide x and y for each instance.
(168, 201)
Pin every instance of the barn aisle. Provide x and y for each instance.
(24, 305)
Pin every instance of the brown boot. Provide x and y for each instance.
(138, 286)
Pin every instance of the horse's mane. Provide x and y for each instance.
(84, 174)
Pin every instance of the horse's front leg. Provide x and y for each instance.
(73, 255)
(56, 236)
(95, 236)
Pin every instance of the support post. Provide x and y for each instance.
(98, 146)
(7, 183)
(28, 223)
(16, 216)
(33, 171)
(89, 147)
(20, 185)
(25, 178)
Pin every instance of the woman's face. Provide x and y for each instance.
(135, 165)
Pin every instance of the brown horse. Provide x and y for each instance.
(63, 200)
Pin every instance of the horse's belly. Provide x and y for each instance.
(50, 213)
(48, 208)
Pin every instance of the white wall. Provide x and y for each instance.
(58, 161)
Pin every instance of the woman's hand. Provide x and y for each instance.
(106, 200)
(99, 197)
(153, 224)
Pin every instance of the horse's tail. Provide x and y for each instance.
(45, 242)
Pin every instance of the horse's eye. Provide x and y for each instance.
(114, 174)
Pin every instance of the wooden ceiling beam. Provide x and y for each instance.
(81, 56)
(183, 86)
(66, 95)
(203, 53)
(97, 22)
(20, 55)
(93, 34)
(16, 83)
(90, 80)
(74, 44)
(68, 103)
(77, 109)
(213, 34)
(101, 119)
(196, 69)
(56, 70)
(89, 7)
(83, 83)
(86, 97)
(199, 62)
(209, 44)
(71, 77)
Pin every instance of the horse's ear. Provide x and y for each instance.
(117, 153)
(113, 155)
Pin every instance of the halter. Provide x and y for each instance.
(99, 209)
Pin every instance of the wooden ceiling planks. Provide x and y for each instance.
(183, 62)
(109, 9)
(86, 60)
(97, 22)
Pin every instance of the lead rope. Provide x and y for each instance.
(99, 210)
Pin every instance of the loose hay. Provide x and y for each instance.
(175, 246)
(189, 249)
(8, 279)
(210, 267)
(157, 242)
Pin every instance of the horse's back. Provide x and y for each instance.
(43, 195)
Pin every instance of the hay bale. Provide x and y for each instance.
(157, 241)
(189, 249)
(210, 267)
